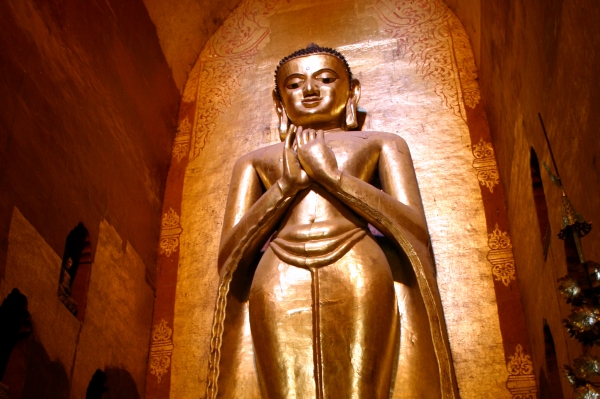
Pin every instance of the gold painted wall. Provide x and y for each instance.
(419, 81)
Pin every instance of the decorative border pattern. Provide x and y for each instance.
(182, 138)
(169, 235)
(485, 165)
(161, 349)
(431, 35)
(521, 380)
(229, 53)
(501, 256)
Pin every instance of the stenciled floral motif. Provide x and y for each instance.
(434, 40)
(501, 256)
(229, 53)
(161, 332)
(499, 239)
(159, 365)
(169, 236)
(181, 144)
(504, 272)
(485, 165)
(521, 380)
(170, 219)
(519, 363)
(180, 151)
(168, 245)
(161, 349)
(483, 150)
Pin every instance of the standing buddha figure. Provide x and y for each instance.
(321, 302)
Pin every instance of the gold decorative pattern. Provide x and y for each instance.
(485, 165)
(161, 349)
(501, 256)
(169, 236)
(431, 35)
(467, 68)
(191, 86)
(229, 53)
(181, 144)
(521, 380)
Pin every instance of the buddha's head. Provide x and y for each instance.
(314, 88)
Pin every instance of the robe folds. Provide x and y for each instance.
(420, 355)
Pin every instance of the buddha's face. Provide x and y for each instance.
(314, 90)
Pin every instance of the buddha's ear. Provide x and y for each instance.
(282, 115)
(352, 104)
(355, 90)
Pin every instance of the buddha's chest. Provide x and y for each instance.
(354, 155)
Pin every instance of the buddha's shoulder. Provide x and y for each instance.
(381, 138)
(263, 153)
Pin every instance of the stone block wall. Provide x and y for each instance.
(87, 117)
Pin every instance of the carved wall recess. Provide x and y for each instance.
(161, 349)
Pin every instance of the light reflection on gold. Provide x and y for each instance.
(397, 100)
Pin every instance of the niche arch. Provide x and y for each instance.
(420, 81)
(76, 269)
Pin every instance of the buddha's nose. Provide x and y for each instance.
(310, 88)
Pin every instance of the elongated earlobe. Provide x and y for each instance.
(282, 115)
(351, 120)
(351, 117)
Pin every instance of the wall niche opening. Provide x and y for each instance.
(539, 199)
(15, 329)
(75, 271)
(550, 387)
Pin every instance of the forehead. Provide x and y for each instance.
(312, 63)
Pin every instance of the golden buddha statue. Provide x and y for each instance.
(321, 302)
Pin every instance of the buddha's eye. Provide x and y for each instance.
(294, 83)
(327, 77)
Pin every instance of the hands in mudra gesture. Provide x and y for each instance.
(307, 158)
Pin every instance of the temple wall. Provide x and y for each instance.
(542, 57)
(183, 27)
(87, 117)
(116, 330)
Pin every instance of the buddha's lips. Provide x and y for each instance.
(311, 100)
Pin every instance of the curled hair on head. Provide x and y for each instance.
(312, 49)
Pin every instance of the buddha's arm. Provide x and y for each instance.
(399, 202)
(250, 215)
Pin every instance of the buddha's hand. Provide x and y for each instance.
(293, 178)
(317, 159)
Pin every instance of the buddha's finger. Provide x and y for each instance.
(320, 134)
(289, 139)
(300, 136)
(303, 137)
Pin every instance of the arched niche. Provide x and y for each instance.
(419, 81)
